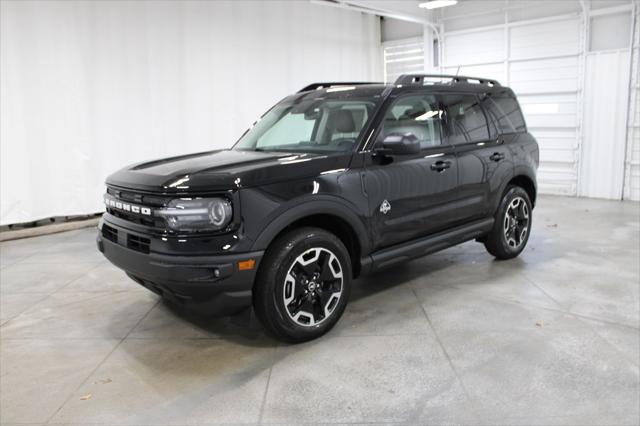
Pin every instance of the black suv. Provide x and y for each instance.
(337, 180)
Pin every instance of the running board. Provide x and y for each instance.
(425, 245)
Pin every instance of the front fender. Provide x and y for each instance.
(302, 207)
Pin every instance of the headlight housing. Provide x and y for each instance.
(197, 214)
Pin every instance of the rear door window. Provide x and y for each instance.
(466, 119)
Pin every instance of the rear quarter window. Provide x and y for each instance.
(504, 111)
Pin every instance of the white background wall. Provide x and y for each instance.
(90, 86)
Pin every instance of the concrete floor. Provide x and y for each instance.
(549, 338)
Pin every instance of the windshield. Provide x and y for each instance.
(310, 125)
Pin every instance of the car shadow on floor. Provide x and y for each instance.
(239, 336)
(244, 327)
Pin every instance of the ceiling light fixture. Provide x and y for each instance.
(434, 4)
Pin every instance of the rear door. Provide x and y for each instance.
(411, 195)
(483, 159)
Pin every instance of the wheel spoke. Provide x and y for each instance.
(324, 296)
(325, 269)
(302, 270)
(302, 304)
(318, 310)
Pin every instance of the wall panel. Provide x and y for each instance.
(402, 57)
(544, 39)
(605, 115)
(487, 46)
(632, 164)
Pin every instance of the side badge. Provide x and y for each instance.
(385, 207)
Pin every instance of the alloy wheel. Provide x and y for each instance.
(516, 222)
(313, 286)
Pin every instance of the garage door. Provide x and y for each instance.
(402, 57)
(540, 60)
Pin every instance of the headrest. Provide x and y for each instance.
(414, 112)
(341, 120)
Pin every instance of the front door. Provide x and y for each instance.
(411, 195)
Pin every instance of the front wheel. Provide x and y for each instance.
(303, 285)
(512, 225)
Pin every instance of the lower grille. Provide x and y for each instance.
(110, 233)
(136, 243)
(152, 222)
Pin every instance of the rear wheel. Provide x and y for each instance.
(512, 225)
(303, 285)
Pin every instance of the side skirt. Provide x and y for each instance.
(422, 246)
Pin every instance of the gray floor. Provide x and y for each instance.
(549, 338)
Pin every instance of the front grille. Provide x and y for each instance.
(153, 222)
(137, 198)
(110, 233)
(142, 200)
(136, 243)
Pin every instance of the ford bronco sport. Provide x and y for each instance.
(335, 181)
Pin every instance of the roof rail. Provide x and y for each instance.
(420, 79)
(316, 86)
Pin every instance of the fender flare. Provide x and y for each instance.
(333, 206)
(521, 171)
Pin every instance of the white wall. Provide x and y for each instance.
(395, 29)
(565, 67)
(90, 86)
(632, 169)
(606, 101)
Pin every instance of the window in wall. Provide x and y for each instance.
(504, 112)
(466, 119)
(416, 114)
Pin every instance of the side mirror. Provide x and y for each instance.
(400, 144)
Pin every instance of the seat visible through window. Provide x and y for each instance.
(415, 114)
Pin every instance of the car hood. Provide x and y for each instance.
(224, 170)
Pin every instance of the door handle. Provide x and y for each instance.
(440, 166)
(497, 156)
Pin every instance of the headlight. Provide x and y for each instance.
(200, 214)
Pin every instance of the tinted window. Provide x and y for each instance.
(467, 121)
(416, 114)
(505, 113)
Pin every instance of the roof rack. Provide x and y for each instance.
(316, 86)
(421, 79)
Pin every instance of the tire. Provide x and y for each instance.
(512, 225)
(303, 285)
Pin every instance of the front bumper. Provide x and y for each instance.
(213, 283)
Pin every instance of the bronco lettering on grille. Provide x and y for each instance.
(119, 205)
